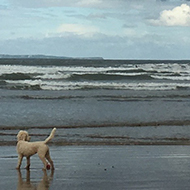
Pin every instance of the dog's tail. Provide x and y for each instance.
(50, 136)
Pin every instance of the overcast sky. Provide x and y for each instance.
(114, 29)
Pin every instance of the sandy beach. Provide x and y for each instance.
(100, 167)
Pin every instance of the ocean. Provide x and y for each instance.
(95, 100)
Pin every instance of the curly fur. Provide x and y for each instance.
(27, 149)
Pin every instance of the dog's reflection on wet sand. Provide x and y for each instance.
(26, 184)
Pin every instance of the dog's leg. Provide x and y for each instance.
(20, 157)
(42, 158)
(28, 163)
(50, 160)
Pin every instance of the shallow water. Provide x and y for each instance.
(63, 108)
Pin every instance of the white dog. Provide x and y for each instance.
(27, 149)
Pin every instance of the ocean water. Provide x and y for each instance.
(79, 93)
(55, 74)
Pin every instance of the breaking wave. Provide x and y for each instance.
(94, 74)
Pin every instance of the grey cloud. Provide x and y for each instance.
(3, 7)
(130, 25)
(43, 3)
(100, 45)
(96, 16)
(152, 47)
(55, 3)
(173, 0)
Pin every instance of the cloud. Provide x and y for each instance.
(101, 46)
(60, 3)
(87, 3)
(96, 16)
(77, 29)
(76, 3)
(179, 16)
(73, 46)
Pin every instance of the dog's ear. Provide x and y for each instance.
(28, 138)
(22, 135)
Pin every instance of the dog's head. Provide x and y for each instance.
(23, 135)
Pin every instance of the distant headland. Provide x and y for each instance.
(41, 56)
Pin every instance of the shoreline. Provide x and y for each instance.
(120, 124)
(110, 135)
(131, 143)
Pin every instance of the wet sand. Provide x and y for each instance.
(109, 135)
(101, 167)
